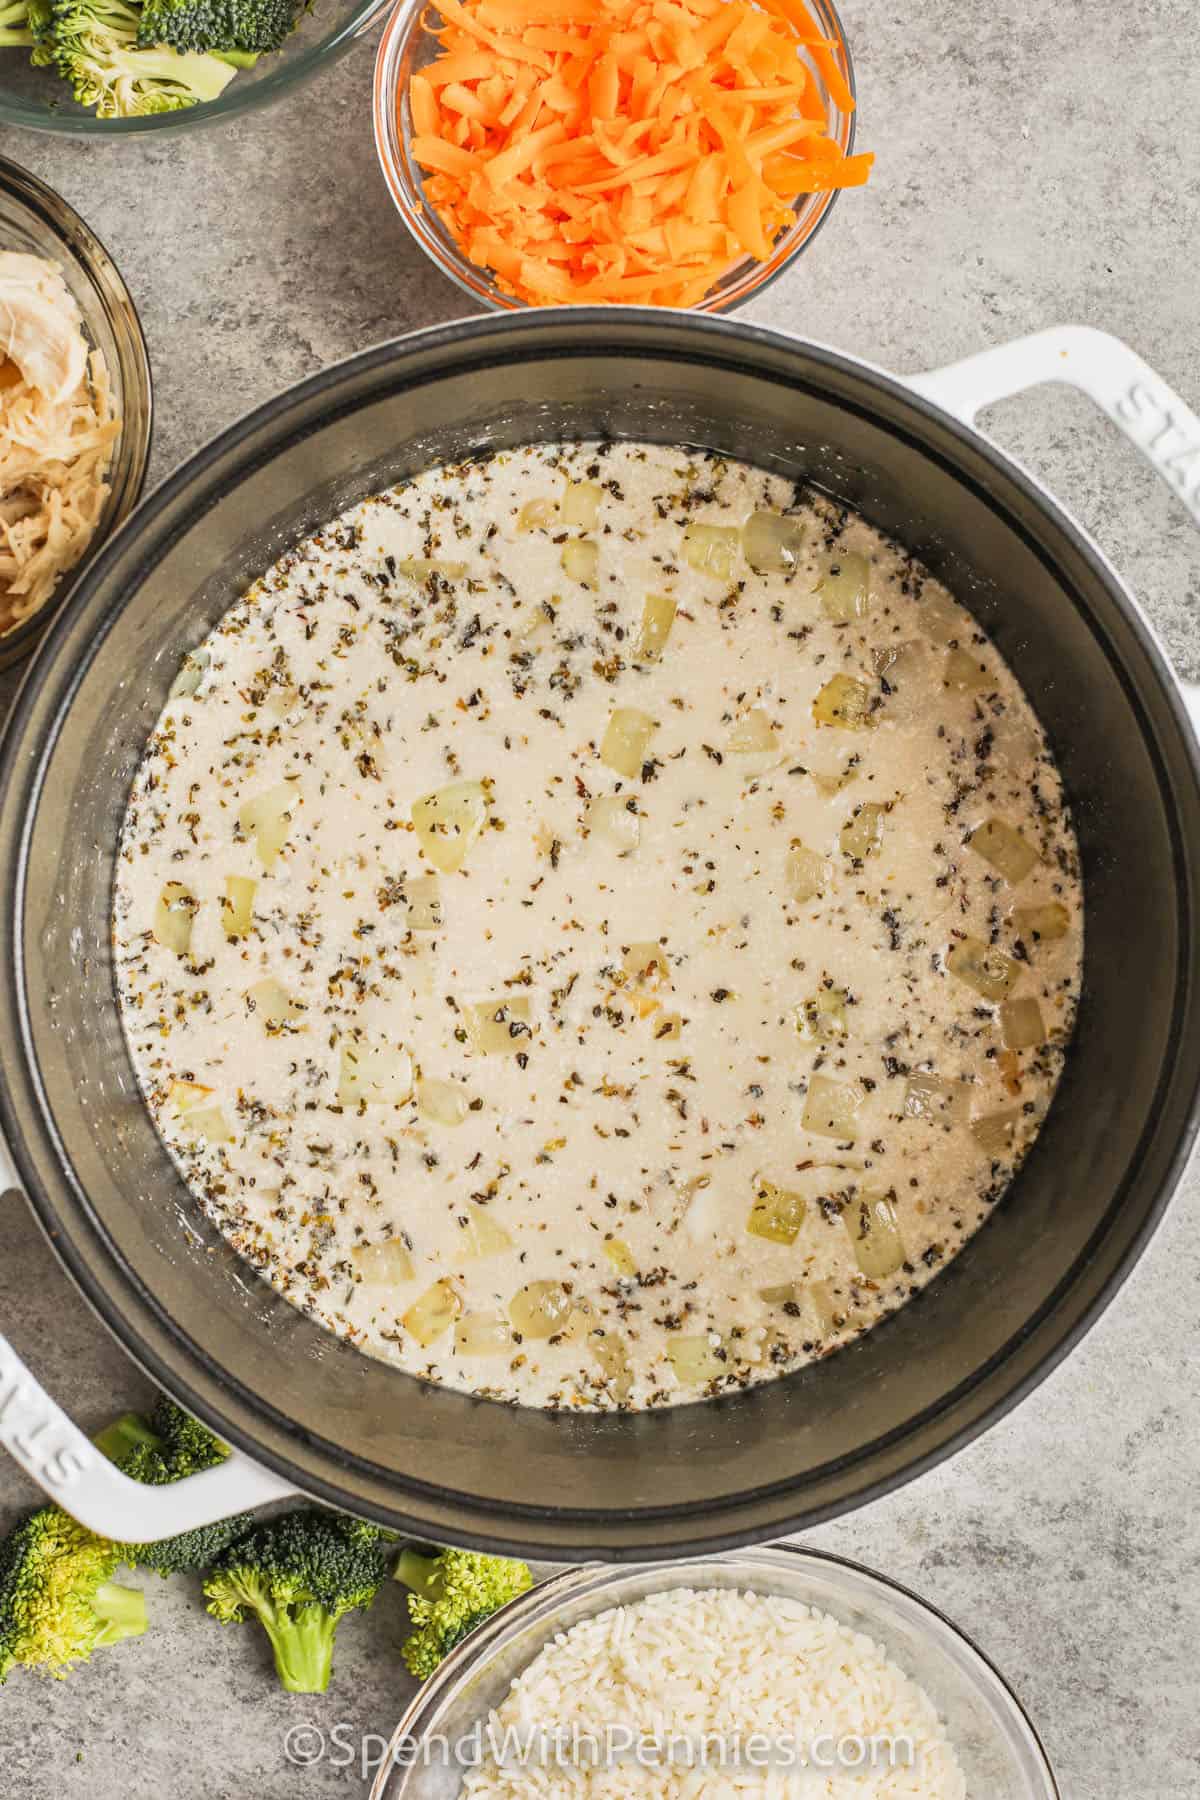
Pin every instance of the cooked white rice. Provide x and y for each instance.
(690, 1669)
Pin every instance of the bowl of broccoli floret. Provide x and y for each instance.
(115, 66)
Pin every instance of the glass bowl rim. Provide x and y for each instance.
(238, 98)
(78, 244)
(480, 286)
(475, 1650)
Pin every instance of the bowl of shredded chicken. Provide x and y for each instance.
(74, 403)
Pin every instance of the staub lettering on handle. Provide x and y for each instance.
(34, 1432)
(1173, 447)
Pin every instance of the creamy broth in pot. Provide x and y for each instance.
(597, 926)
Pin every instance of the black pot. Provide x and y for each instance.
(366, 1437)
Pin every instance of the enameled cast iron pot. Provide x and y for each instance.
(313, 1414)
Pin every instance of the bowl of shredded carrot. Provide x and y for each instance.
(648, 152)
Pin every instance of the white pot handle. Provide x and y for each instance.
(80, 1478)
(1152, 416)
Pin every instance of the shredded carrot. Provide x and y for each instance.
(626, 150)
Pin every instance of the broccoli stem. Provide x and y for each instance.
(124, 1435)
(123, 1611)
(302, 1639)
(421, 1573)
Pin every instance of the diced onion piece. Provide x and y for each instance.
(995, 1133)
(612, 1354)
(237, 906)
(929, 1096)
(1004, 847)
(579, 1323)
(752, 733)
(442, 1102)
(777, 1213)
(420, 568)
(272, 1003)
(210, 1122)
(658, 616)
(807, 873)
(382, 1265)
(1042, 923)
(482, 1234)
(174, 912)
(280, 701)
(581, 561)
(844, 702)
(967, 671)
(537, 515)
(983, 968)
(625, 741)
(645, 965)
(192, 671)
(890, 660)
(819, 1295)
(940, 618)
(696, 1360)
(862, 834)
(448, 822)
(786, 1294)
(844, 587)
(374, 1074)
(772, 542)
(186, 1096)
(500, 1027)
(831, 1107)
(1021, 1025)
(875, 1241)
(482, 1334)
(581, 504)
(434, 1313)
(823, 1018)
(424, 898)
(540, 1309)
(620, 1256)
(613, 820)
(267, 818)
(711, 549)
(667, 1027)
(534, 621)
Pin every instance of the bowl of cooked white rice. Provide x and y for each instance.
(777, 1673)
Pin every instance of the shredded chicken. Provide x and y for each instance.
(57, 429)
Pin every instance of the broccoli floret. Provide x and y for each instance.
(95, 51)
(58, 1601)
(298, 1574)
(170, 1446)
(165, 1447)
(219, 25)
(16, 32)
(453, 1592)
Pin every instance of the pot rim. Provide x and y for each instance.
(138, 1321)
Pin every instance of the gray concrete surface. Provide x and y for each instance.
(1035, 164)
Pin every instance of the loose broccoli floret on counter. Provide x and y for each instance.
(95, 50)
(58, 1601)
(219, 25)
(298, 1575)
(168, 1447)
(453, 1592)
(16, 32)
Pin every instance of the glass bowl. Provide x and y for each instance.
(406, 46)
(1001, 1755)
(34, 219)
(39, 100)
